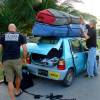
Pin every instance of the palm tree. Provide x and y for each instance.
(19, 12)
(22, 12)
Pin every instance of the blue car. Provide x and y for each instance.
(57, 58)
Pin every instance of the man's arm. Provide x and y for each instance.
(83, 27)
(86, 35)
(0, 55)
(23, 45)
(24, 53)
(0, 52)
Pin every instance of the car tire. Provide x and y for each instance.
(68, 80)
(97, 59)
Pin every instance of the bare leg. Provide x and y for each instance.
(11, 90)
(17, 82)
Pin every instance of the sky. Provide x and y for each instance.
(89, 6)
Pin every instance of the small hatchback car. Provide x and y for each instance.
(57, 58)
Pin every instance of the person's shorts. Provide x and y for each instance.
(12, 68)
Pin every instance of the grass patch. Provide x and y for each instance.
(1, 74)
(98, 43)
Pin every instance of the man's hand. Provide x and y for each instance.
(86, 36)
(81, 20)
(23, 61)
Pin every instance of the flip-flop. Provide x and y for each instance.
(19, 93)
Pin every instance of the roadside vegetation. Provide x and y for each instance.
(98, 44)
(23, 12)
(1, 74)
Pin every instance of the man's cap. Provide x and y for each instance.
(93, 21)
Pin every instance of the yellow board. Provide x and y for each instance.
(54, 75)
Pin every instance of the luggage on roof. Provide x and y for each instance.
(55, 17)
(41, 29)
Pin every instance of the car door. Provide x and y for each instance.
(78, 55)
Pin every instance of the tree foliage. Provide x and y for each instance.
(23, 12)
(19, 12)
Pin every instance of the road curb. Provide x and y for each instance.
(1, 81)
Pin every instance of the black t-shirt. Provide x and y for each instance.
(11, 43)
(91, 42)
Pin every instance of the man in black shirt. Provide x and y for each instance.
(91, 44)
(10, 43)
(91, 39)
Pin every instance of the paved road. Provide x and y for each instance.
(81, 89)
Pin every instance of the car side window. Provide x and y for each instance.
(83, 42)
(76, 46)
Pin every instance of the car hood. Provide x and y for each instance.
(42, 48)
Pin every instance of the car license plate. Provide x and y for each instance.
(54, 75)
(43, 72)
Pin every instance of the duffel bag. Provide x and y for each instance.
(46, 17)
(75, 30)
(55, 17)
(41, 29)
(65, 18)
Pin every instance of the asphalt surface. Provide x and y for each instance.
(81, 89)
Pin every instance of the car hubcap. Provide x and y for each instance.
(69, 77)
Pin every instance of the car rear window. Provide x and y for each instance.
(48, 40)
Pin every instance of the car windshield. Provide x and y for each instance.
(31, 39)
(48, 40)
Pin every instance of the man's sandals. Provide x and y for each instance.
(19, 93)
